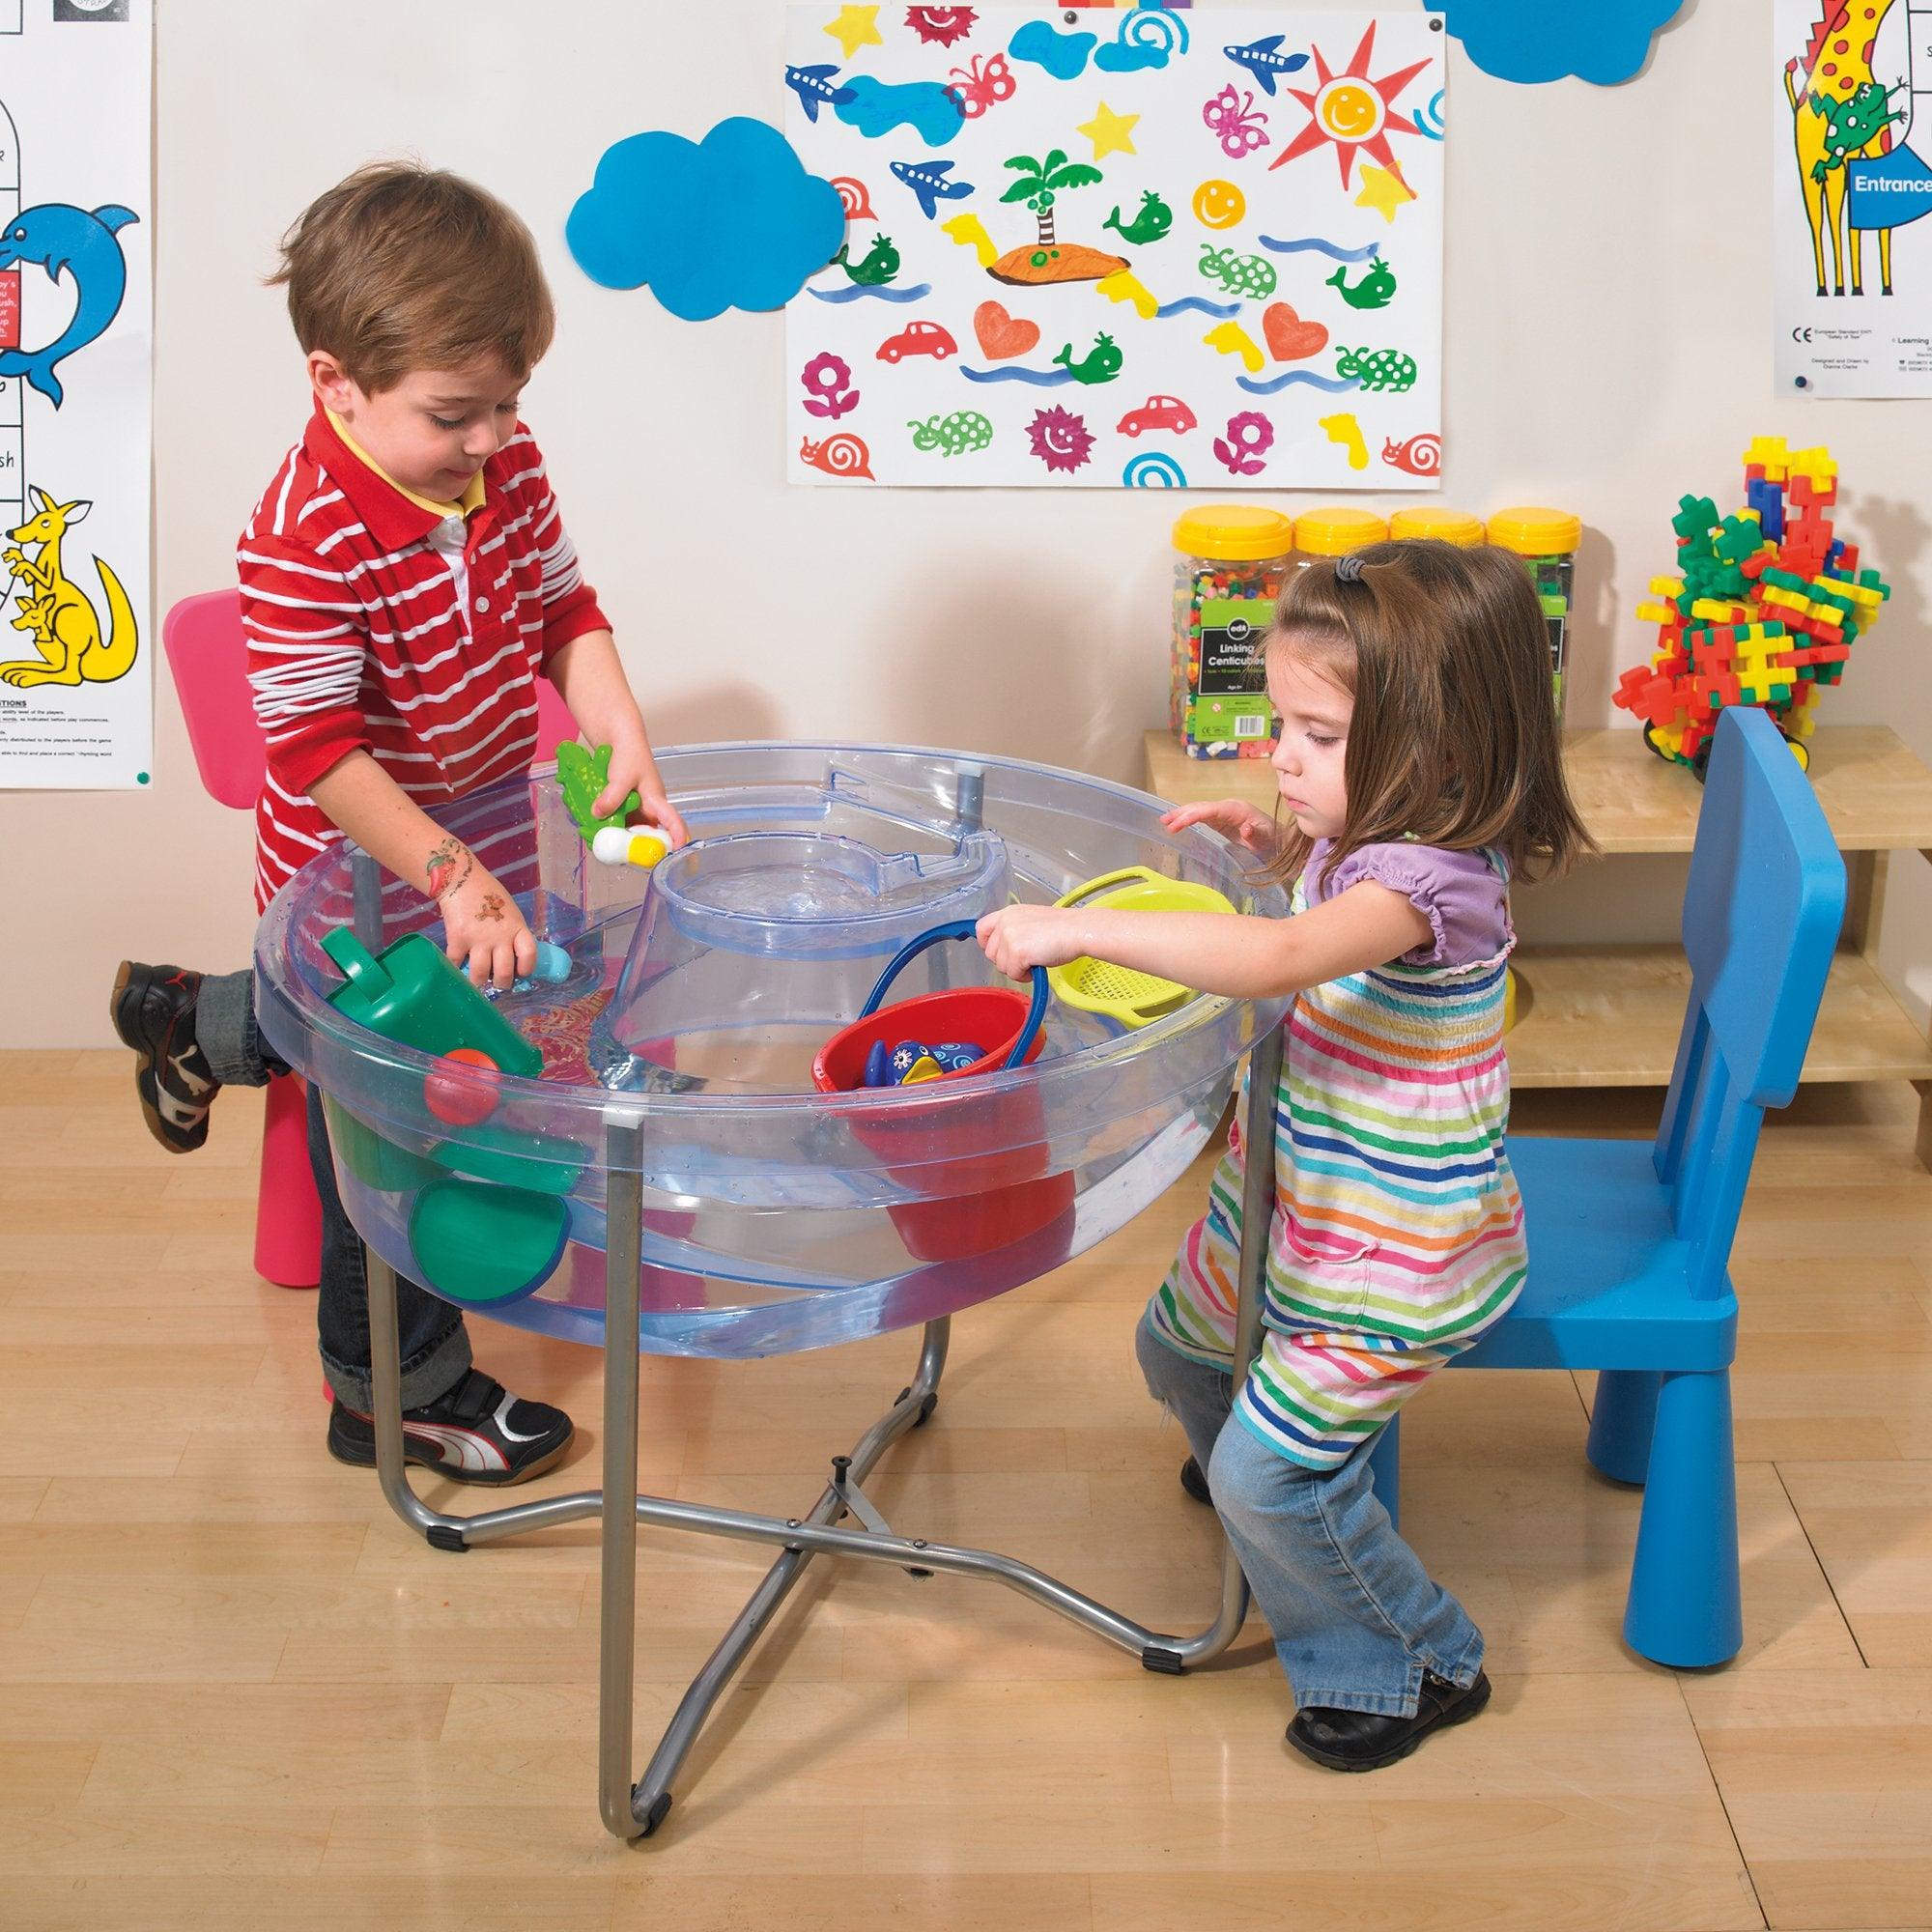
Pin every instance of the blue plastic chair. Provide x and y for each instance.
(1630, 1245)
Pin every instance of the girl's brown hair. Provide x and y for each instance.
(402, 266)
(1453, 741)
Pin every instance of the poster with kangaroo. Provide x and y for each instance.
(1851, 186)
(76, 691)
(1120, 248)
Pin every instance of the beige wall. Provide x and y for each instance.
(1609, 348)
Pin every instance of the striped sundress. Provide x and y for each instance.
(1398, 1229)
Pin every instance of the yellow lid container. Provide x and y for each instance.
(1535, 532)
(1240, 532)
(1455, 526)
(1335, 532)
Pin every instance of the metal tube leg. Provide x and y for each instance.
(617, 1635)
(1257, 1220)
(386, 1395)
(386, 1389)
(652, 1798)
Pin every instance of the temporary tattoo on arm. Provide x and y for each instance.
(447, 867)
(492, 906)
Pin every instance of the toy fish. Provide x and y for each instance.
(1151, 221)
(928, 181)
(63, 239)
(1372, 291)
(880, 265)
(1101, 365)
(815, 88)
(1264, 59)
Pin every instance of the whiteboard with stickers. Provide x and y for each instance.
(1152, 250)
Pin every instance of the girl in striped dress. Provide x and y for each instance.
(1418, 772)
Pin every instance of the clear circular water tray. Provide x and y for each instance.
(680, 1046)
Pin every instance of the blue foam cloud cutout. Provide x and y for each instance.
(1063, 55)
(732, 221)
(1605, 42)
(876, 109)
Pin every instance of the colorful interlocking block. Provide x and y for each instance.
(1764, 607)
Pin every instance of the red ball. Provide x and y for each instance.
(461, 1091)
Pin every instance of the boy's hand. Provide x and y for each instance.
(634, 769)
(485, 932)
(1234, 818)
(1017, 938)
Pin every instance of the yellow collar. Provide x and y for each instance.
(472, 491)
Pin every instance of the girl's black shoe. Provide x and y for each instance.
(1195, 1483)
(1367, 1741)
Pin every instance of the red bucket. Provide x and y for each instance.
(991, 1194)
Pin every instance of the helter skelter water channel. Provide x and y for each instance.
(675, 1184)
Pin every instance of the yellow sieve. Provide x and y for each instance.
(1098, 986)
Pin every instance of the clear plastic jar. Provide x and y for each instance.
(1546, 541)
(1233, 559)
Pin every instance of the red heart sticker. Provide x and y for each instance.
(1288, 337)
(1001, 336)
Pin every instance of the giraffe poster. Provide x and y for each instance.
(1120, 248)
(1851, 191)
(76, 698)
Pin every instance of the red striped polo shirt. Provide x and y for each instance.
(374, 624)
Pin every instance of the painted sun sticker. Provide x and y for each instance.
(941, 26)
(1351, 110)
(1061, 440)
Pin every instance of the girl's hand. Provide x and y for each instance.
(1017, 938)
(484, 931)
(1232, 817)
(634, 769)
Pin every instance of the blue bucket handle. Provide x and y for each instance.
(963, 928)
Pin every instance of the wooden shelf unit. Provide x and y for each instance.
(1608, 1015)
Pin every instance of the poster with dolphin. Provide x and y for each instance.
(1850, 94)
(1120, 248)
(76, 708)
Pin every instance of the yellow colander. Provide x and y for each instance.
(1096, 987)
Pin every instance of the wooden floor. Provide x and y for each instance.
(234, 1693)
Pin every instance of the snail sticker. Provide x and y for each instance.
(1079, 244)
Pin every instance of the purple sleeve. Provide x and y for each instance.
(1464, 898)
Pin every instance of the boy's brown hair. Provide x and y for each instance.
(402, 266)
(1453, 741)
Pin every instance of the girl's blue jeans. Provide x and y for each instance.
(1356, 1620)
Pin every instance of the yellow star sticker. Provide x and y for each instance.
(856, 27)
(1111, 133)
(1383, 189)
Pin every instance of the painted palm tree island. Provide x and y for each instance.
(1048, 259)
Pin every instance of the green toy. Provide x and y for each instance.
(412, 993)
(481, 1245)
(498, 1234)
(584, 776)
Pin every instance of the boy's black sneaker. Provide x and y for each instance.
(153, 1011)
(1195, 1483)
(1367, 1741)
(478, 1432)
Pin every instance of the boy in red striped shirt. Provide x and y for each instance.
(404, 579)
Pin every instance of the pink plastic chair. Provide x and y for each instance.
(207, 654)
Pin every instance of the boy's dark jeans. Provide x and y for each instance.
(435, 1344)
